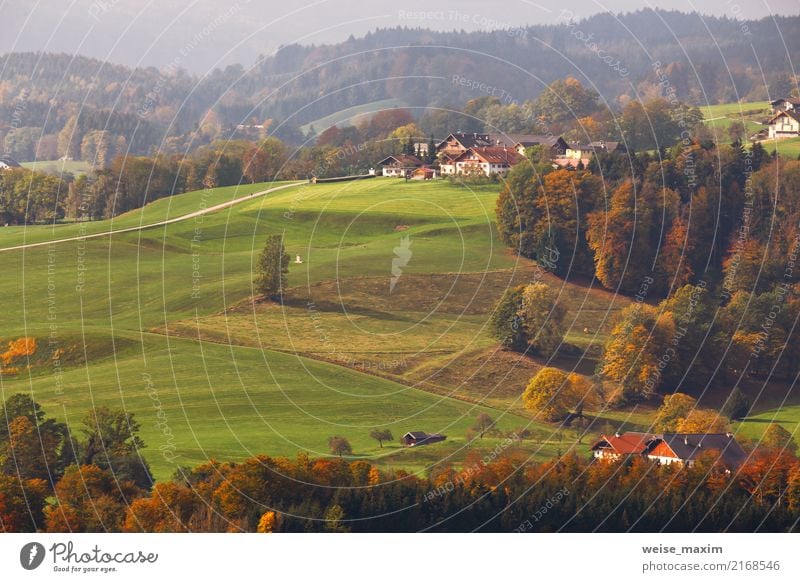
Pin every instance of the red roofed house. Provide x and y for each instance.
(669, 448)
(487, 160)
(684, 448)
(618, 446)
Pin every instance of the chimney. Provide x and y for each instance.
(729, 435)
(616, 434)
(686, 440)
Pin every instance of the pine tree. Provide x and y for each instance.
(272, 268)
(431, 157)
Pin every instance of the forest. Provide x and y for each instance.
(96, 481)
(58, 105)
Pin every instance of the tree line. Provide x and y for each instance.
(56, 481)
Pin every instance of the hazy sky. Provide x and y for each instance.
(201, 34)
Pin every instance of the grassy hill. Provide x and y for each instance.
(351, 115)
(720, 117)
(162, 322)
(76, 167)
(103, 312)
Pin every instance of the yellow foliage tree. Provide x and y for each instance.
(702, 420)
(675, 408)
(267, 523)
(551, 393)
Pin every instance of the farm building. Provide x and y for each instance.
(785, 124)
(615, 447)
(7, 162)
(399, 165)
(684, 448)
(417, 438)
(779, 105)
(487, 161)
(424, 173)
(669, 448)
(457, 143)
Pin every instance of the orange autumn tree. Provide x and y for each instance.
(17, 349)
(634, 352)
(90, 499)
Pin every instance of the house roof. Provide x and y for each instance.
(630, 443)
(687, 446)
(8, 161)
(793, 114)
(416, 434)
(404, 160)
(494, 155)
(782, 100)
(609, 146)
(526, 140)
(468, 140)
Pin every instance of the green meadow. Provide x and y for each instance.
(162, 322)
(103, 311)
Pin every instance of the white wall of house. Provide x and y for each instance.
(393, 172)
(784, 127)
(471, 166)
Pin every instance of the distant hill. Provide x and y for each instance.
(704, 59)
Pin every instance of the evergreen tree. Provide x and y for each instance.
(272, 268)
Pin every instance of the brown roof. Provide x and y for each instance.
(687, 446)
(403, 160)
(526, 140)
(495, 155)
(468, 140)
(793, 114)
(782, 100)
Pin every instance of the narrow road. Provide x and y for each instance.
(155, 224)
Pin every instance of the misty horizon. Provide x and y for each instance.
(123, 32)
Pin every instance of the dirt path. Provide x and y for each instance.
(189, 216)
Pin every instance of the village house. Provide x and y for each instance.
(785, 124)
(669, 448)
(399, 165)
(487, 161)
(556, 146)
(423, 173)
(582, 153)
(616, 447)
(418, 438)
(779, 105)
(685, 448)
(457, 143)
(6, 162)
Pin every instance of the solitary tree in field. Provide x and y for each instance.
(506, 324)
(339, 446)
(272, 268)
(483, 424)
(552, 394)
(542, 318)
(381, 435)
